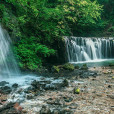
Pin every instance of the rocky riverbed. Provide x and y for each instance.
(82, 92)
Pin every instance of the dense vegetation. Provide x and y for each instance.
(37, 27)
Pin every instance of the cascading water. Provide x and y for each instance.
(8, 65)
(81, 49)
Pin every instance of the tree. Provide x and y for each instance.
(40, 24)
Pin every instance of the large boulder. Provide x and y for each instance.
(68, 66)
(3, 83)
(6, 89)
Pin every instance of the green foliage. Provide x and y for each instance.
(31, 54)
(37, 25)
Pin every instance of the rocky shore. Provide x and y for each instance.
(81, 91)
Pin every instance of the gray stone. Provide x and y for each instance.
(3, 83)
(45, 110)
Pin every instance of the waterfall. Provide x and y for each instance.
(82, 49)
(8, 65)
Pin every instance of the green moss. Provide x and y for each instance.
(111, 64)
(55, 69)
(76, 90)
(84, 67)
(68, 66)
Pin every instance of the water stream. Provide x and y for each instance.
(8, 65)
(89, 49)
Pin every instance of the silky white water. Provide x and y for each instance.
(87, 49)
(8, 65)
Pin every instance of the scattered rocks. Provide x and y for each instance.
(56, 111)
(60, 96)
(45, 110)
(68, 99)
(6, 89)
(111, 96)
(7, 106)
(112, 108)
(30, 96)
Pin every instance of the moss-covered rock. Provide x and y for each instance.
(76, 90)
(68, 66)
(111, 64)
(55, 69)
(77, 67)
(84, 67)
(65, 83)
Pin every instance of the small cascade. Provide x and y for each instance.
(81, 49)
(8, 65)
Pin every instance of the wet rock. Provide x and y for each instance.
(24, 111)
(30, 96)
(65, 83)
(66, 111)
(87, 74)
(112, 108)
(109, 86)
(68, 99)
(20, 91)
(93, 74)
(73, 106)
(55, 69)
(6, 89)
(3, 83)
(45, 110)
(29, 89)
(109, 71)
(84, 75)
(56, 111)
(7, 106)
(56, 85)
(76, 67)
(36, 85)
(84, 67)
(111, 96)
(12, 111)
(3, 98)
(55, 102)
(15, 85)
(50, 87)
